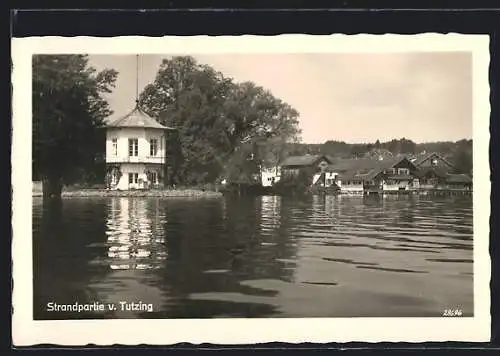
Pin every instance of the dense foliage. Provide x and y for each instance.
(224, 129)
(68, 110)
(220, 124)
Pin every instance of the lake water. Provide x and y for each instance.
(317, 256)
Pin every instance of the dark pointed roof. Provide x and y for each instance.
(431, 171)
(431, 155)
(137, 118)
(363, 164)
(363, 168)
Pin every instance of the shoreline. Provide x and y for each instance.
(197, 193)
(103, 193)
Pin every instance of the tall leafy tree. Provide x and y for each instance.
(219, 122)
(189, 97)
(68, 110)
(259, 128)
(462, 157)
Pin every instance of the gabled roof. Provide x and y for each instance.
(366, 164)
(137, 118)
(364, 169)
(355, 174)
(305, 160)
(430, 155)
(431, 171)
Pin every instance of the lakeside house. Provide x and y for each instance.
(359, 176)
(294, 165)
(313, 165)
(270, 176)
(456, 182)
(380, 175)
(135, 152)
(435, 172)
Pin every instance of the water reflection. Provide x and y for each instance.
(135, 235)
(257, 256)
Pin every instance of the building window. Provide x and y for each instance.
(153, 147)
(403, 171)
(154, 177)
(115, 146)
(133, 147)
(133, 178)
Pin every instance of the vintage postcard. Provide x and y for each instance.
(242, 190)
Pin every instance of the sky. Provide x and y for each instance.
(356, 98)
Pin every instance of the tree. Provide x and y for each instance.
(463, 160)
(407, 146)
(259, 125)
(219, 122)
(358, 150)
(68, 110)
(189, 97)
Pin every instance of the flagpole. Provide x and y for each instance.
(137, 78)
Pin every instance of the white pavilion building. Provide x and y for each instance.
(135, 152)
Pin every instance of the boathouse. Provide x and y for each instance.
(307, 166)
(461, 182)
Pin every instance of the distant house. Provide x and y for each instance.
(435, 172)
(457, 182)
(431, 177)
(358, 176)
(135, 151)
(402, 175)
(309, 167)
(270, 176)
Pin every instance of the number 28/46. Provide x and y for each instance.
(452, 312)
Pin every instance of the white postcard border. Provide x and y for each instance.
(26, 331)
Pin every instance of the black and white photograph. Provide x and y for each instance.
(314, 179)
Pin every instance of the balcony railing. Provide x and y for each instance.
(135, 159)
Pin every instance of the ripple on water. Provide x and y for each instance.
(265, 257)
